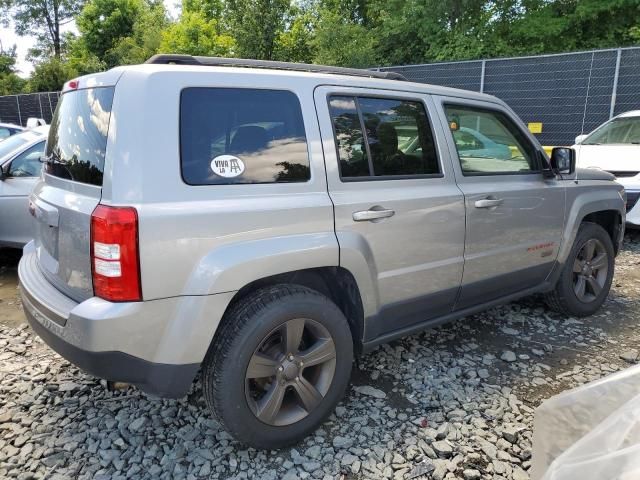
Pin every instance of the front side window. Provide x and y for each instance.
(238, 135)
(620, 131)
(27, 164)
(488, 142)
(382, 137)
(4, 133)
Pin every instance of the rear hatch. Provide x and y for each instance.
(71, 188)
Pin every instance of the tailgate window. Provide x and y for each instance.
(78, 135)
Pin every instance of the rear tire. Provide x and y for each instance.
(255, 380)
(586, 277)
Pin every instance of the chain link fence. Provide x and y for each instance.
(18, 108)
(568, 93)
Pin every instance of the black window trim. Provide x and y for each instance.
(370, 177)
(239, 185)
(535, 150)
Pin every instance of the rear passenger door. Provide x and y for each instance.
(399, 217)
(514, 214)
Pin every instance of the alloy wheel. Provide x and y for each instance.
(290, 372)
(590, 269)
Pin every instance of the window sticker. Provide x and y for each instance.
(227, 166)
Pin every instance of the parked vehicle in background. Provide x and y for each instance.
(33, 122)
(615, 147)
(8, 129)
(20, 168)
(265, 222)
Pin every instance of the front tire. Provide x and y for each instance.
(279, 365)
(587, 274)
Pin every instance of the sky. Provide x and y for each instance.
(8, 38)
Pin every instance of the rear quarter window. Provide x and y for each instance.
(242, 136)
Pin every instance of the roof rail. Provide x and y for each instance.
(165, 59)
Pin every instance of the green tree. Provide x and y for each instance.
(146, 37)
(255, 25)
(295, 42)
(104, 23)
(41, 19)
(565, 25)
(50, 76)
(193, 34)
(342, 42)
(10, 82)
(211, 9)
(79, 58)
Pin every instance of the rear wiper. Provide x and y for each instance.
(53, 158)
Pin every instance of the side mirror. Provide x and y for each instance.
(580, 139)
(563, 160)
(4, 172)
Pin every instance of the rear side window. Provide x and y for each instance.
(238, 135)
(77, 140)
(382, 137)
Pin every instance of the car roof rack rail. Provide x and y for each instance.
(167, 59)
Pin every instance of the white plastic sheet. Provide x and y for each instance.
(591, 432)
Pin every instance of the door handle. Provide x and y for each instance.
(371, 214)
(488, 202)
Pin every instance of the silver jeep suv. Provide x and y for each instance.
(264, 223)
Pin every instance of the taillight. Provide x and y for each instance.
(114, 254)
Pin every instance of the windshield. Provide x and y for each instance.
(619, 131)
(78, 135)
(12, 143)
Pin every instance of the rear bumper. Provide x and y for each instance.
(169, 381)
(156, 345)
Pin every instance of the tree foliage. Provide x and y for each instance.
(49, 76)
(356, 33)
(41, 19)
(104, 23)
(10, 82)
(255, 25)
(193, 34)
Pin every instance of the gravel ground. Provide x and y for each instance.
(453, 402)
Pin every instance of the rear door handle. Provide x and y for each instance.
(488, 202)
(372, 214)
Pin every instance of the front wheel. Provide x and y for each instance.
(586, 276)
(278, 367)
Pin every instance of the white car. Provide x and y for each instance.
(20, 168)
(615, 147)
(9, 129)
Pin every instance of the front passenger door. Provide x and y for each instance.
(514, 215)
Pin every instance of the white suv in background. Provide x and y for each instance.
(615, 147)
